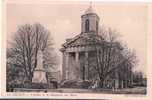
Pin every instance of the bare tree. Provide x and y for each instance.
(24, 48)
(110, 55)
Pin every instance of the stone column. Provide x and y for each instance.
(86, 66)
(77, 64)
(131, 78)
(122, 84)
(63, 65)
(116, 84)
(67, 66)
(116, 80)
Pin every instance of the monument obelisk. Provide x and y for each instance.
(39, 75)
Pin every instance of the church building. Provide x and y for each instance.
(76, 50)
(79, 52)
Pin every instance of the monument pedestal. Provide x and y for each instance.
(39, 75)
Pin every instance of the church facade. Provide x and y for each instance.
(76, 50)
(79, 52)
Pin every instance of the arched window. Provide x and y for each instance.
(87, 25)
(96, 26)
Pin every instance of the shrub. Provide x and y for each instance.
(76, 84)
(38, 86)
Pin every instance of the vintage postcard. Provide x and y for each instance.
(75, 49)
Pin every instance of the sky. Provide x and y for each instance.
(63, 20)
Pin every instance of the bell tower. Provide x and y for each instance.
(90, 21)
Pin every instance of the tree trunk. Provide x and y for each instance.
(101, 84)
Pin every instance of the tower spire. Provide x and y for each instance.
(90, 9)
(90, 20)
(90, 4)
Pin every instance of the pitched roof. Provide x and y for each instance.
(88, 39)
(83, 39)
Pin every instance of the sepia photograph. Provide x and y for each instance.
(76, 47)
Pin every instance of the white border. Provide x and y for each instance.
(74, 95)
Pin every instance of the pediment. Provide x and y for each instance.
(83, 39)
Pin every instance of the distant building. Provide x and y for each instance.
(79, 53)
